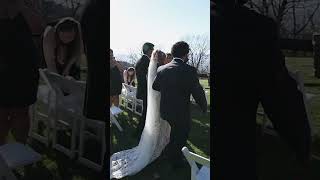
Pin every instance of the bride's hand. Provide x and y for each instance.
(154, 55)
(158, 56)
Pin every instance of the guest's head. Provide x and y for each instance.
(111, 55)
(168, 59)
(112, 59)
(131, 71)
(180, 50)
(67, 30)
(147, 49)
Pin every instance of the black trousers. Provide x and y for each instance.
(142, 120)
(178, 139)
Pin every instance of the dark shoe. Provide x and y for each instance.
(178, 164)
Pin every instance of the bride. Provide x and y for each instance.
(154, 138)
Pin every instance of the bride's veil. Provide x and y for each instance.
(154, 138)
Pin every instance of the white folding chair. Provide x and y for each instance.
(130, 95)
(114, 111)
(16, 155)
(193, 159)
(92, 130)
(46, 99)
(65, 112)
(138, 109)
(123, 100)
(69, 116)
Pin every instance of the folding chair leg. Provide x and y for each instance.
(116, 123)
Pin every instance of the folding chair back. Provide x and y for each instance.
(193, 159)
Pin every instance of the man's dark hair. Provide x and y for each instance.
(180, 49)
(147, 47)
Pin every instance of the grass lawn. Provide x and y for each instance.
(198, 142)
(57, 166)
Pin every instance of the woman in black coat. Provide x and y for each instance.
(19, 74)
(115, 81)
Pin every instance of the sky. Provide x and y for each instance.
(162, 22)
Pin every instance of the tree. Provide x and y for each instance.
(293, 17)
(199, 55)
(134, 56)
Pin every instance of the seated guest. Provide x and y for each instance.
(63, 47)
(129, 76)
(115, 81)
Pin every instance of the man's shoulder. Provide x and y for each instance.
(162, 68)
(190, 68)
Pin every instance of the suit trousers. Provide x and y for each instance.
(178, 139)
(143, 117)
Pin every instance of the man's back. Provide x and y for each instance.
(177, 81)
(249, 68)
(141, 72)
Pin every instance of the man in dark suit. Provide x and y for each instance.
(248, 68)
(177, 81)
(142, 72)
(94, 29)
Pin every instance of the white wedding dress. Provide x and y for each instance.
(154, 138)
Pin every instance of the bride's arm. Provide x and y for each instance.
(156, 82)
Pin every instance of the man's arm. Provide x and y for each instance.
(198, 92)
(282, 101)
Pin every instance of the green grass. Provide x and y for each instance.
(56, 166)
(312, 85)
(198, 142)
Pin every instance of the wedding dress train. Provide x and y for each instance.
(154, 138)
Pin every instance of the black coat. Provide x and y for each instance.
(142, 72)
(115, 81)
(95, 34)
(248, 68)
(177, 81)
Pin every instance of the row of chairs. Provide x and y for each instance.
(129, 101)
(58, 121)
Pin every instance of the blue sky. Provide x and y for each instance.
(161, 22)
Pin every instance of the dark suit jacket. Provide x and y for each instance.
(177, 81)
(94, 30)
(248, 68)
(115, 81)
(141, 72)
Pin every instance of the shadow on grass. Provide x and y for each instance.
(56, 166)
(160, 168)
